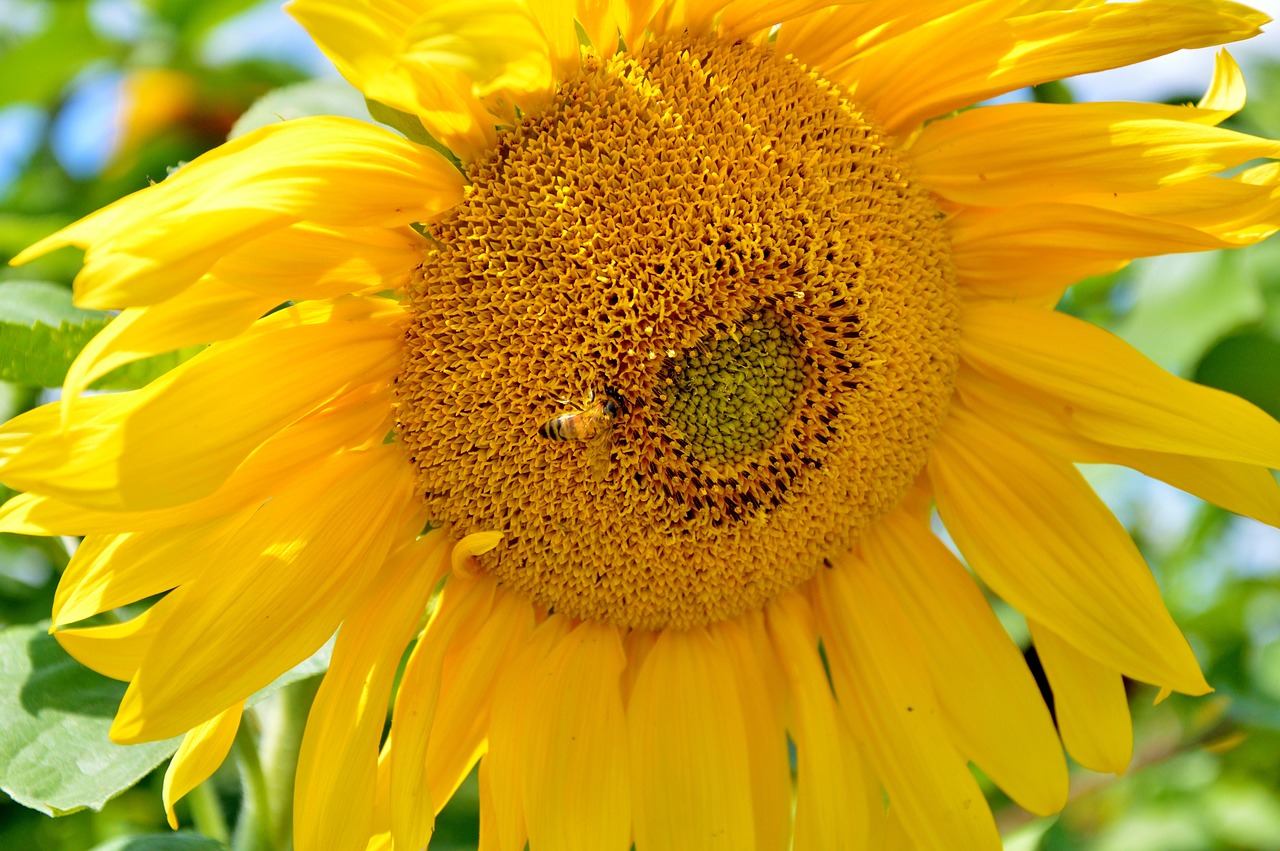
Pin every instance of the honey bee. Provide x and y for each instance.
(592, 425)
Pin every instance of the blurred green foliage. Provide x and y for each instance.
(1206, 770)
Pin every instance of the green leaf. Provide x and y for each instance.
(180, 841)
(55, 714)
(41, 332)
(1248, 365)
(314, 97)
(55, 756)
(1183, 303)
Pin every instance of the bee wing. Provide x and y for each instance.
(598, 451)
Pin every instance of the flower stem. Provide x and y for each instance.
(206, 812)
(253, 827)
(281, 742)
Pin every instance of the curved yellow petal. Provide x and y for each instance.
(108, 571)
(1109, 391)
(747, 18)
(502, 809)
(828, 38)
(323, 261)
(116, 650)
(477, 543)
(926, 71)
(164, 444)
(555, 19)
(337, 765)
(634, 19)
(1089, 697)
(689, 777)
(471, 668)
(201, 752)
(1226, 94)
(830, 798)
(463, 604)
(284, 582)
(575, 766)
(1036, 249)
(207, 312)
(1024, 152)
(982, 683)
(349, 420)
(1246, 489)
(1036, 533)
(763, 688)
(882, 685)
(601, 21)
(328, 170)
(460, 65)
(1234, 211)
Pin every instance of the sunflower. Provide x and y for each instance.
(778, 293)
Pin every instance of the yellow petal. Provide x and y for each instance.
(477, 543)
(746, 18)
(270, 596)
(1093, 712)
(634, 18)
(763, 688)
(1034, 249)
(600, 21)
(1036, 533)
(1110, 391)
(555, 19)
(689, 776)
(1233, 211)
(882, 685)
(413, 807)
(1024, 152)
(337, 765)
(116, 650)
(927, 71)
(1226, 94)
(323, 262)
(439, 62)
(576, 785)
(205, 313)
(349, 420)
(502, 812)
(982, 683)
(472, 666)
(830, 799)
(201, 752)
(165, 444)
(826, 39)
(109, 571)
(332, 171)
(1246, 489)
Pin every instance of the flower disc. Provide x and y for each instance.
(718, 238)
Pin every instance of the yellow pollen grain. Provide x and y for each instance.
(716, 235)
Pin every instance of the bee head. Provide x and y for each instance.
(616, 398)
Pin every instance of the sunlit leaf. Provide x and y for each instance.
(55, 756)
(41, 332)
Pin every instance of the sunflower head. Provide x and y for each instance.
(719, 236)
(707, 303)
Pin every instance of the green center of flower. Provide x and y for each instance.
(732, 398)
